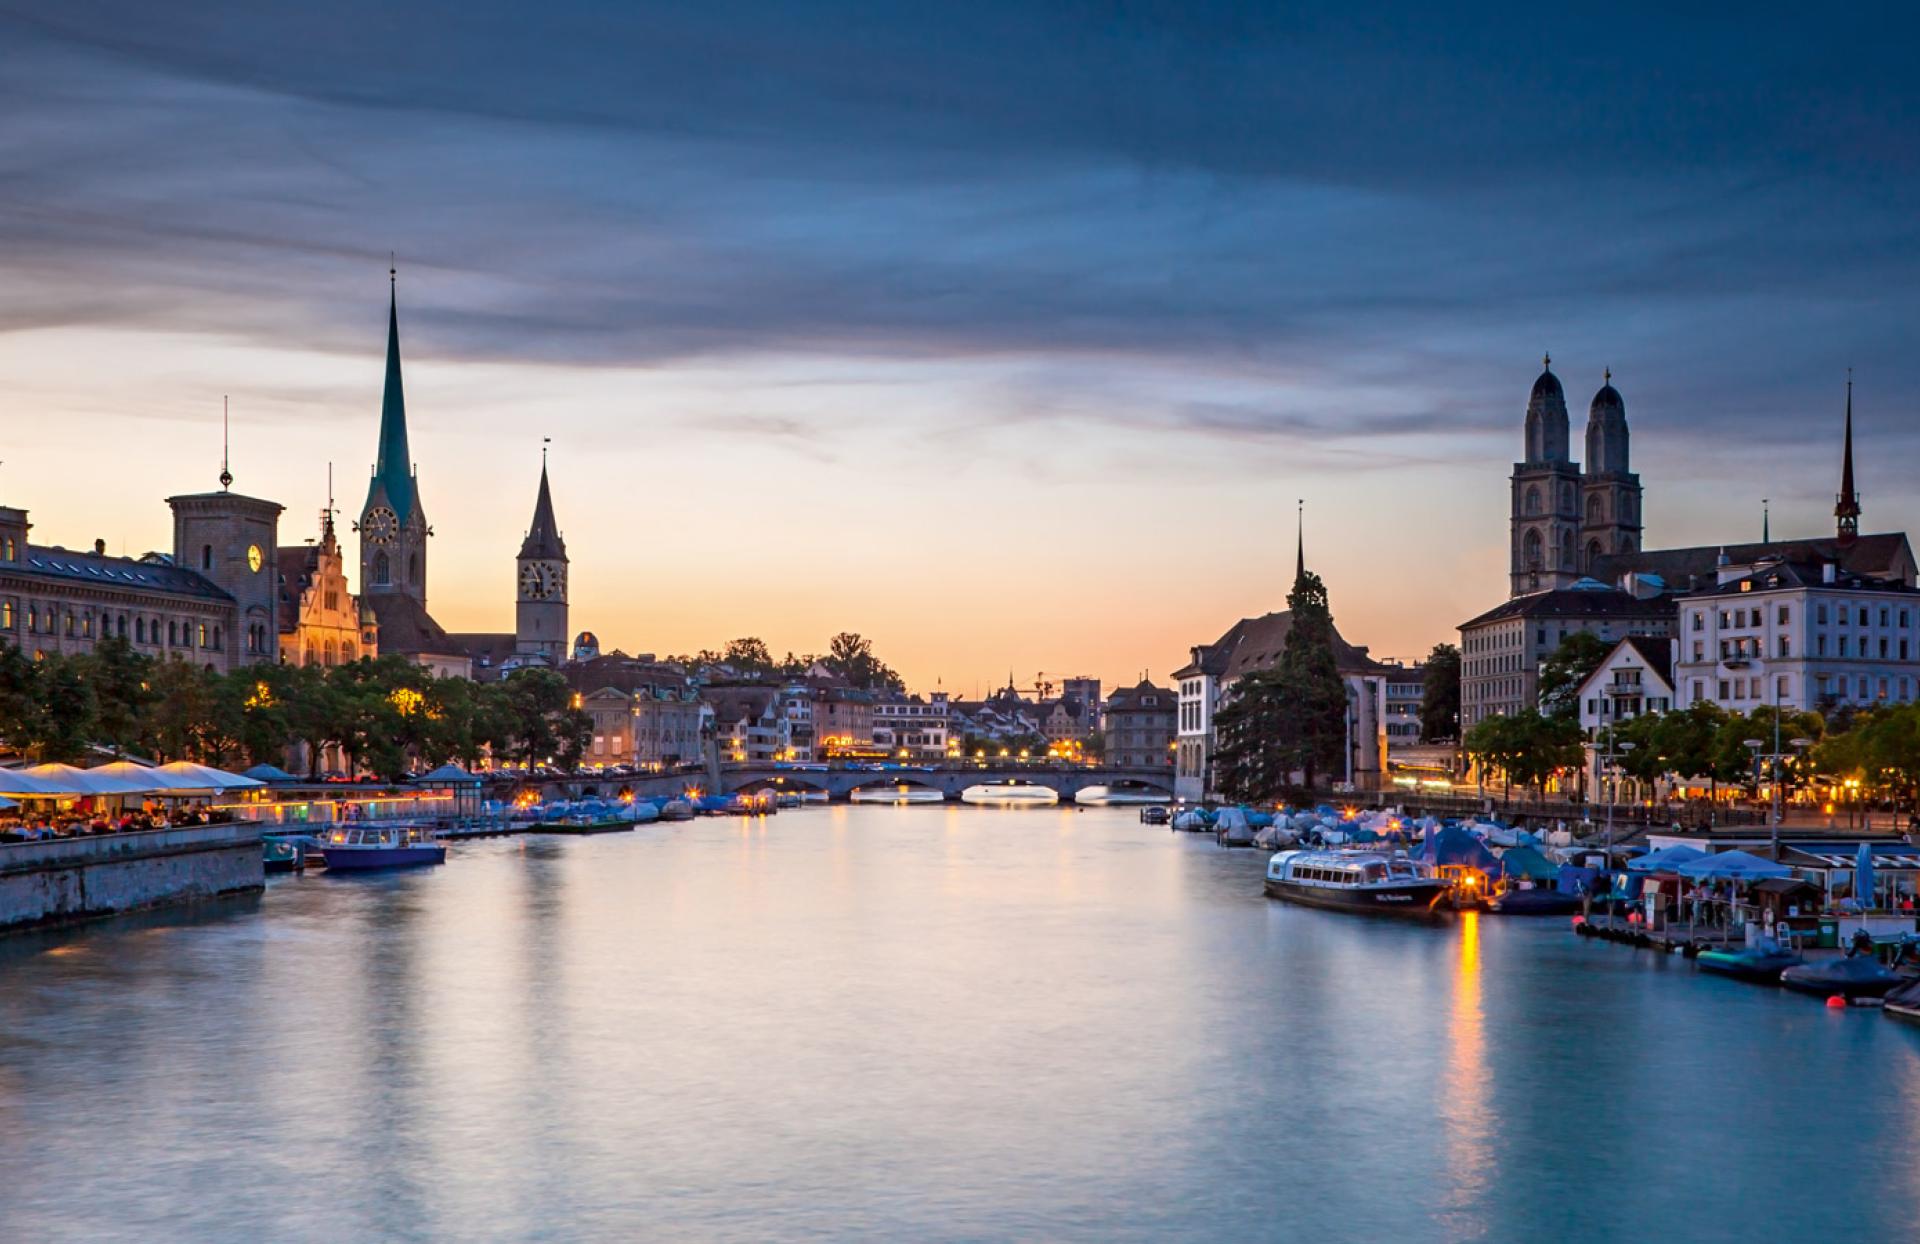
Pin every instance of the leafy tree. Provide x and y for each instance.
(1527, 747)
(748, 656)
(1290, 719)
(851, 657)
(122, 689)
(19, 696)
(1571, 664)
(1440, 695)
(68, 712)
(543, 723)
(181, 714)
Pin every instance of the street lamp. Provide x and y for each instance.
(1614, 752)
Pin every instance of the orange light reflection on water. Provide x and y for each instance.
(1463, 1095)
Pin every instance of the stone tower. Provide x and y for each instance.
(1609, 491)
(1546, 495)
(233, 541)
(540, 613)
(393, 525)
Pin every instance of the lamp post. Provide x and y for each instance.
(1615, 750)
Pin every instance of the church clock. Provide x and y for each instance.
(380, 525)
(534, 584)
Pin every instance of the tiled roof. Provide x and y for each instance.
(406, 629)
(1878, 556)
(1132, 699)
(1596, 601)
(1256, 644)
(152, 573)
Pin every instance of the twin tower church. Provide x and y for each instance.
(394, 532)
(1565, 518)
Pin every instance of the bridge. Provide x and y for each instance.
(839, 784)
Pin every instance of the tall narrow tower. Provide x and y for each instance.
(540, 613)
(393, 525)
(1846, 508)
(1609, 491)
(1546, 495)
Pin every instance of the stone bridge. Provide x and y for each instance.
(839, 784)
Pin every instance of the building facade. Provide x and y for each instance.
(1501, 650)
(321, 621)
(913, 724)
(1141, 727)
(212, 601)
(645, 714)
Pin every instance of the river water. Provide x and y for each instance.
(915, 1024)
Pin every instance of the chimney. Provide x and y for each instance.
(99, 548)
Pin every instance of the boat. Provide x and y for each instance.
(1760, 964)
(364, 848)
(676, 810)
(1232, 828)
(1370, 882)
(1858, 976)
(281, 856)
(1533, 901)
(1192, 821)
(1904, 1002)
(1010, 794)
(1155, 814)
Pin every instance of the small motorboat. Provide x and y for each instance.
(1192, 821)
(1373, 882)
(1904, 1002)
(281, 855)
(1155, 814)
(676, 810)
(365, 848)
(1534, 901)
(1760, 964)
(1858, 976)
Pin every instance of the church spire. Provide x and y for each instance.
(394, 466)
(543, 536)
(1300, 541)
(1846, 509)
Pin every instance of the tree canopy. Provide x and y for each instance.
(1288, 722)
(1440, 695)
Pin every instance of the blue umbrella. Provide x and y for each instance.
(1863, 877)
(1666, 859)
(1734, 866)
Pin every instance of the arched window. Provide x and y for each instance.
(1533, 499)
(206, 557)
(1532, 557)
(140, 630)
(1593, 553)
(1595, 511)
(1566, 550)
(382, 572)
(413, 569)
(1566, 499)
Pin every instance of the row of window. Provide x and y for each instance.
(1845, 613)
(56, 620)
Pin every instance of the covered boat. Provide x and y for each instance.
(1232, 829)
(1371, 882)
(1858, 976)
(1904, 1002)
(1760, 964)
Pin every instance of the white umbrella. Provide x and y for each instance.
(90, 781)
(207, 777)
(152, 780)
(20, 782)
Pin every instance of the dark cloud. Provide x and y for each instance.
(1382, 218)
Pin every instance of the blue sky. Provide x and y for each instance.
(1008, 334)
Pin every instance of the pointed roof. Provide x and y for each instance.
(393, 468)
(1847, 507)
(543, 537)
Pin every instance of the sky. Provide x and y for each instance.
(1009, 335)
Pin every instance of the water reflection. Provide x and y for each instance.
(908, 1023)
(1464, 1105)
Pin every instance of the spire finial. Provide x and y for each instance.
(1846, 508)
(1766, 529)
(1546, 361)
(1300, 540)
(544, 442)
(393, 271)
(1606, 375)
(226, 440)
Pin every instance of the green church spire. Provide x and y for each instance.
(393, 470)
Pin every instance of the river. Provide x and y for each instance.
(915, 1023)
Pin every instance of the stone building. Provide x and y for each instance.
(1563, 519)
(321, 621)
(915, 724)
(1502, 649)
(211, 601)
(645, 714)
(1141, 725)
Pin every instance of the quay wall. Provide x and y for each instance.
(47, 883)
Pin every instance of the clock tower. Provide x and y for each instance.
(540, 611)
(393, 525)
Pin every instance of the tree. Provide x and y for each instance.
(67, 720)
(1527, 747)
(748, 656)
(851, 657)
(1571, 664)
(1440, 695)
(1290, 719)
(122, 691)
(543, 724)
(181, 714)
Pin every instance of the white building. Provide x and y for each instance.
(1803, 635)
(1635, 679)
(918, 725)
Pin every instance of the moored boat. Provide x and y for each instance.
(1370, 882)
(1861, 976)
(1760, 965)
(1537, 901)
(1904, 1002)
(365, 848)
(1155, 814)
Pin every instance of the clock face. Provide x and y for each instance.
(254, 558)
(380, 525)
(533, 582)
